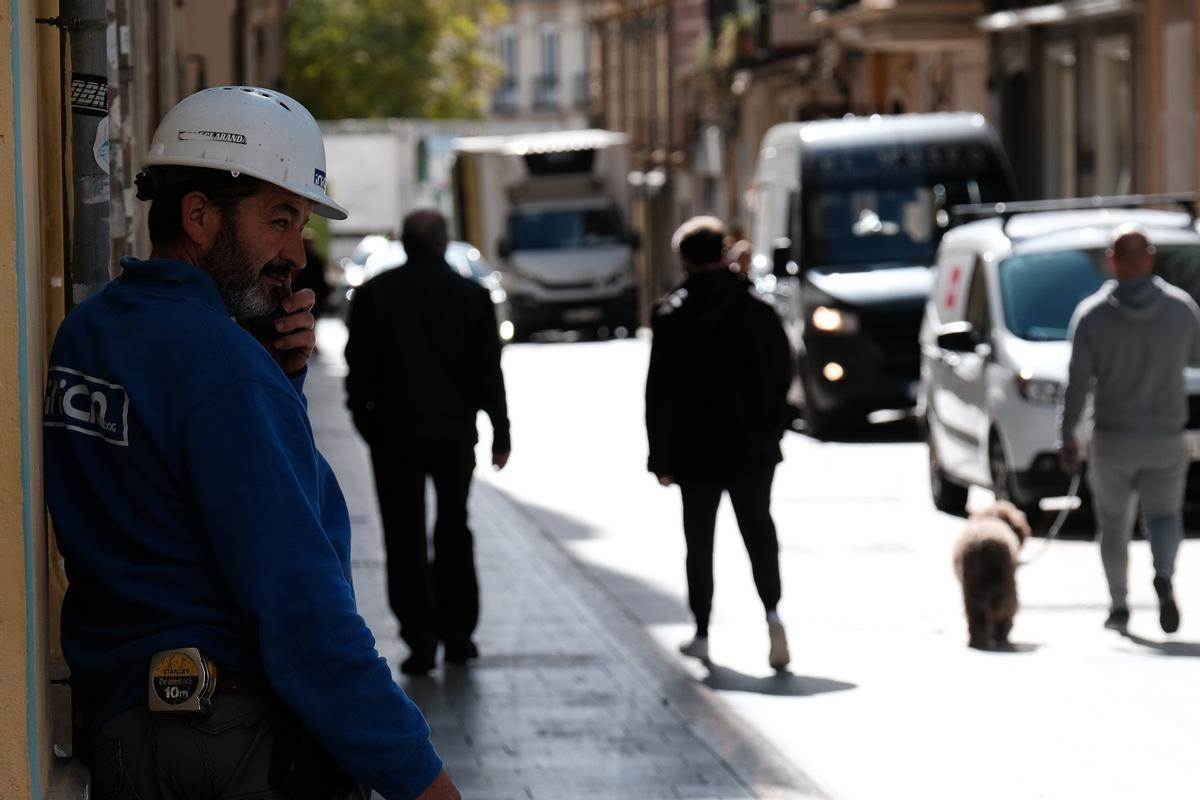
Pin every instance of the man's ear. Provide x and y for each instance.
(201, 219)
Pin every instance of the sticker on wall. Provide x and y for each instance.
(100, 146)
(89, 94)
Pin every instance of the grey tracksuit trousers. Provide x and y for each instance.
(1122, 469)
(1130, 343)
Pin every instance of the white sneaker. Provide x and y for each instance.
(778, 657)
(696, 648)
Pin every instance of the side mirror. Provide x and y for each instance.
(503, 247)
(782, 263)
(958, 337)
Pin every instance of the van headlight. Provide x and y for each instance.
(834, 320)
(1039, 390)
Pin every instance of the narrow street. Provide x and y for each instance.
(883, 698)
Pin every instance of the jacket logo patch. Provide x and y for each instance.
(319, 177)
(212, 136)
(86, 405)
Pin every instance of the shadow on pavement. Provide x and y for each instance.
(649, 604)
(1186, 649)
(781, 684)
(446, 688)
(563, 527)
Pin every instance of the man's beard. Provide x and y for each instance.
(236, 278)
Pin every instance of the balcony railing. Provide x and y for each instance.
(545, 92)
(505, 99)
(583, 91)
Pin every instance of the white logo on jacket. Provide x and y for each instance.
(85, 404)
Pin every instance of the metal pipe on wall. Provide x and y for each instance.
(88, 267)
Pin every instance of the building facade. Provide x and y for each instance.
(545, 75)
(632, 49)
(1096, 98)
(1089, 96)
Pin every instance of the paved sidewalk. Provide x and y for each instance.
(570, 699)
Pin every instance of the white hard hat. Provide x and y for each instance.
(246, 130)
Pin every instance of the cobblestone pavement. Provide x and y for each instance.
(571, 698)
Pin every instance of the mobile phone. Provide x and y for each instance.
(263, 326)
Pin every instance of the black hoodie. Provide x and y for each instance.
(716, 394)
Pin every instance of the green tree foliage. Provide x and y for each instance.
(392, 58)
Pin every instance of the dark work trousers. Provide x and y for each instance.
(144, 755)
(438, 603)
(751, 498)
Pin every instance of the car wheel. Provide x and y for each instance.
(948, 496)
(520, 332)
(1003, 480)
(823, 425)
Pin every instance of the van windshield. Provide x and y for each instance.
(876, 222)
(1040, 291)
(560, 228)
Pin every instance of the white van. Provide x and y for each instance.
(994, 348)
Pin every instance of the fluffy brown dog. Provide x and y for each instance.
(985, 560)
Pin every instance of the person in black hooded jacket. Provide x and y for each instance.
(716, 409)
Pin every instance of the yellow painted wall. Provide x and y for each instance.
(23, 769)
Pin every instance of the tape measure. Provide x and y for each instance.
(182, 681)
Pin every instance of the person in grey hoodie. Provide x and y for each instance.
(1130, 343)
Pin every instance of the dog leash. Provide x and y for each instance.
(1059, 521)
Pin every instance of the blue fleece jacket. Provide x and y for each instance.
(193, 509)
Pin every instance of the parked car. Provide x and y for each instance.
(462, 256)
(994, 347)
(353, 270)
(848, 215)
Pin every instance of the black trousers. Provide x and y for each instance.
(751, 498)
(235, 752)
(434, 600)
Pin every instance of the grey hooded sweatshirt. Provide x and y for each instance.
(1130, 343)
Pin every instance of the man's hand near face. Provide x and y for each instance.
(297, 333)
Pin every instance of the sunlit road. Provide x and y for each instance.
(884, 699)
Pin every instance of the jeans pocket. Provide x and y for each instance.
(234, 743)
(108, 780)
(301, 769)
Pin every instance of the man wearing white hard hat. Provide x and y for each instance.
(210, 623)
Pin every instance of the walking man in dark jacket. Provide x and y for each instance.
(424, 358)
(716, 409)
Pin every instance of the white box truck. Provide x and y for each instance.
(551, 211)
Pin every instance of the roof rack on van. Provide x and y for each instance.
(1006, 211)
